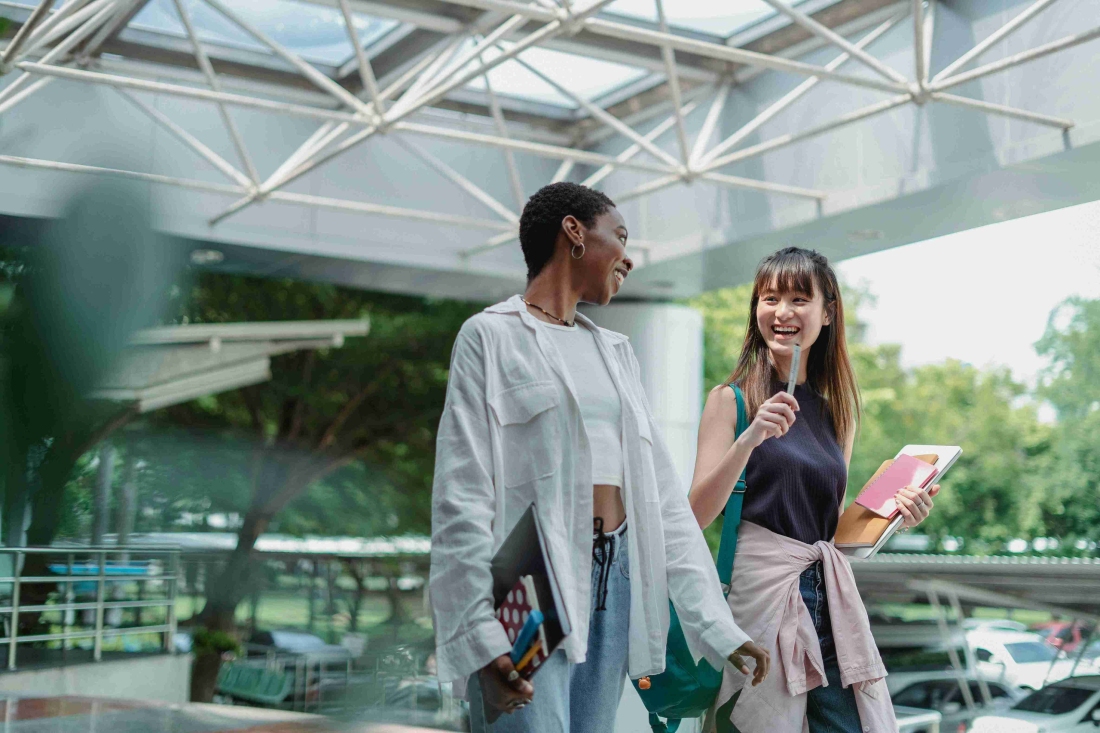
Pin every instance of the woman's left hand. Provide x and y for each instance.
(915, 504)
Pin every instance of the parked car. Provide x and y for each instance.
(1065, 635)
(993, 624)
(915, 720)
(940, 691)
(1020, 659)
(1069, 706)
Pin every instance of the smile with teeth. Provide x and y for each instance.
(620, 277)
(785, 330)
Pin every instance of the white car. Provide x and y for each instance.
(1019, 659)
(1069, 706)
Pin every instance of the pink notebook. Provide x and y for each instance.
(904, 471)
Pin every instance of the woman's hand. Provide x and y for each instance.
(773, 419)
(915, 504)
(759, 654)
(502, 687)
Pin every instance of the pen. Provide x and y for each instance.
(792, 377)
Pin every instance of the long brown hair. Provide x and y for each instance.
(828, 371)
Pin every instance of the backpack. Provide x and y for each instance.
(686, 689)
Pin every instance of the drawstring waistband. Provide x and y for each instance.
(603, 544)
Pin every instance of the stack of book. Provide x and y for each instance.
(873, 517)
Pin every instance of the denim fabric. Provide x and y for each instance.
(830, 709)
(578, 698)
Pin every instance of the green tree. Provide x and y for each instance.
(1070, 495)
(376, 401)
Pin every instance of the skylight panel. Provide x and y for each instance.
(716, 17)
(588, 77)
(314, 32)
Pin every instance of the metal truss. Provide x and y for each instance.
(62, 43)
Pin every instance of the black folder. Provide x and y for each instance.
(525, 552)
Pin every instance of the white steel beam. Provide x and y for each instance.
(800, 18)
(398, 212)
(648, 187)
(212, 79)
(188, 139)
(429, 71)
(626, 32)
(47, 33)
(206, 95)
(563, 171)
(714, 114)
(633, 150)
(1004, 111)
(542, 150)
(509, 155)
(794, 137)
(993, 38)
(18, 97)
(669, 57)
(366, 71)
(607, 118)
(454, 67)
(918, 42)
(24, 32)
(929, 33)
(1016, 59)
(59, 51)
(551, 29)
(52, 165)
(755, 185)
(125, 10)
(459, 180)
(791, 97)
(307, 70)
(70, 7)
(494, 242)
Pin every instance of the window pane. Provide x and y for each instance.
(1031, 651)
(1054, 700)
(588, 77)
(314, 32)
(717, 17)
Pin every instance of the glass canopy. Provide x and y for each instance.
(720, 18)
(314, 32)
(587, 77)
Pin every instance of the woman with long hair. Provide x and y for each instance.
(545, 408)
(792, 590)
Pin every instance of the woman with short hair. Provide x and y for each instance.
(544, 407)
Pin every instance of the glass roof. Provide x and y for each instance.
(588, 77)
(314, 32)
(716, 17)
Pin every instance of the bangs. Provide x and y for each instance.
(786, 272)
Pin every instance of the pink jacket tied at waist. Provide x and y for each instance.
(767, 605)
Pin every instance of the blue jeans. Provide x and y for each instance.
(578, 698)
(829, 709)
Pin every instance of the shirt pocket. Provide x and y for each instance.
(530, 431)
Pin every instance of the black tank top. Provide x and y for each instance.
(795, 483)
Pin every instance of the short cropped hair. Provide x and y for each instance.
(542, 216)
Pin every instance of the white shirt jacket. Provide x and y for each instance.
(511, 434)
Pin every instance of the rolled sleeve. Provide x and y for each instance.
(468, 635)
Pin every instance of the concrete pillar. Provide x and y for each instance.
(668, 340)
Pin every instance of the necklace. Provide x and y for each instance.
(547, 313)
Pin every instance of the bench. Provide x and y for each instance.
(254, 684)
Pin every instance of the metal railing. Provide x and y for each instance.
(73, 570)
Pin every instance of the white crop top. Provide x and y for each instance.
(601, 409)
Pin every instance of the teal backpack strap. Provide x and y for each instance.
(727, 548)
